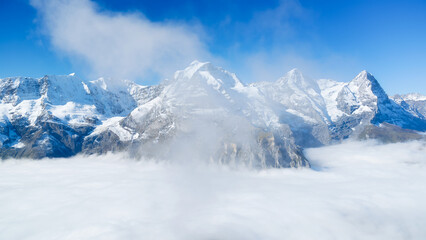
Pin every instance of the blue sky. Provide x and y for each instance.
(258, 40)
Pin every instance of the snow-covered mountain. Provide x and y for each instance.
(204, 113)
(362, 102)
(299, 104)
(50, 116)
(323, 111)
(413, 103)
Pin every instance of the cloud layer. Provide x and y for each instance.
(125, 45)
(356, 191)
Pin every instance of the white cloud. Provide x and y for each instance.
(125, 45)
(281, 38)
(359, 191)
(271, 65)
(128, 45)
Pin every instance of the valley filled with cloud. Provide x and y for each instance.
(212, 119)
(354, 190)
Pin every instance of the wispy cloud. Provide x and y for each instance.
(283, 37)
(128, 45)
(125, 45)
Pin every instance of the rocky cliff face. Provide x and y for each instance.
(204, 113)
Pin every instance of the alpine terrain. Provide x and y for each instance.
(204, 113)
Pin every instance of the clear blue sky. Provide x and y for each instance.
(325, 39)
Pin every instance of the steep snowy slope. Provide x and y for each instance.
(50, 116)
(325, 110)
(205, 111)
(301, 106)
(361, 102)
(329, 90)
(299, 95)
(413, 103)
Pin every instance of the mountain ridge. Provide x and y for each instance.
(206, 111)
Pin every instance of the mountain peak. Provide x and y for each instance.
(295, 72)
(366, 84)
(365, 78)
(206, 73)
(189, 71)
(294, 75)
(197, 64)
(295, 78)
(365, 75)
(100, 82)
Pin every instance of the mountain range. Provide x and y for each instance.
(204, 113)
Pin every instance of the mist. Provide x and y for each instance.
(370, 190)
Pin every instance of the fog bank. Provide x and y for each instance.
(354, 191)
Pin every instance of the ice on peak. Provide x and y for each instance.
(197, 63)
(362, 95)
(295, 79)
(363, 76)
(366, 80)
(61, 78)
(294, 75)
(197, 66)
(100, 82)
(413, 97)
(71, 74)
(200, 71)
(294, 71)
(189, 71)
(364, 72)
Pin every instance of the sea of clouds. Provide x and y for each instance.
(355, 190)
